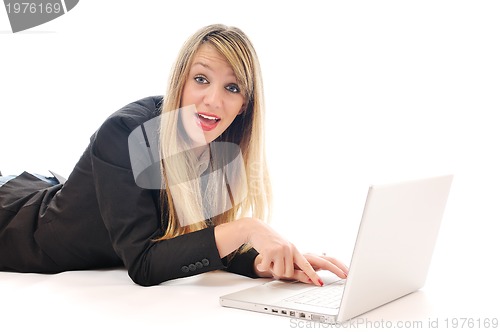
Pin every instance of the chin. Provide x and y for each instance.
(210, 139)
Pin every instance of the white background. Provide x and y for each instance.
(357, 93)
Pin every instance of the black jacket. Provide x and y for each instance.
(101, 218)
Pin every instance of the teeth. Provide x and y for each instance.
(208, 117)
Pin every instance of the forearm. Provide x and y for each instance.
(231, 236)
(182, 256)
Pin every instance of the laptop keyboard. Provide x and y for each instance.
(328, 296)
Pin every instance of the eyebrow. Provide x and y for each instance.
(206, 65)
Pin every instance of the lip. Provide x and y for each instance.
(204, 125)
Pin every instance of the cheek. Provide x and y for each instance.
(235, 107)
(189, 95)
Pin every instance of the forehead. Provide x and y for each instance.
(208, 57)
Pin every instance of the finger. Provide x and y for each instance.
(298, 275)
(265, 264)
(278, 266)
(302, 277)
(289, 265)
(304, 265)
(326, 263)
(338, 263)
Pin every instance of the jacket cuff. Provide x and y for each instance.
(243, 263)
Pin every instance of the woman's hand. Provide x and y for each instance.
(324, 262)
(317, 262)
(280, 259)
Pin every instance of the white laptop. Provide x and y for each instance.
(391, 257)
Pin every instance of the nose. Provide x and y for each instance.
(213, 97)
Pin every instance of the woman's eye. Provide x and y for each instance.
(233, 88)
(201, 79)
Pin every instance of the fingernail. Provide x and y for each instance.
(320, 282)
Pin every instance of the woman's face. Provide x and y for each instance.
(211, 87)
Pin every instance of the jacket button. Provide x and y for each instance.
(185, 269)
(198, 265)
(205, 262)
(192, 267)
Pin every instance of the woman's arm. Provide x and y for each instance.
(277, 256)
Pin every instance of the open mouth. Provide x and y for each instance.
(208, 121)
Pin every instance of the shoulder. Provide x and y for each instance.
(136, 113)
(121, 123)
(110, 142)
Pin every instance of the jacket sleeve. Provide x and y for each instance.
(131, 217)
(243, 263)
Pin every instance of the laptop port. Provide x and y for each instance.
(274, 310)
(318, 318)
(292, 313)
(302, 315)
(283, 312)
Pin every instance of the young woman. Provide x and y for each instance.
(168, 187)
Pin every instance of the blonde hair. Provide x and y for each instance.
(247, 131)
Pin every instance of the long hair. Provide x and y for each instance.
(183, 197)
